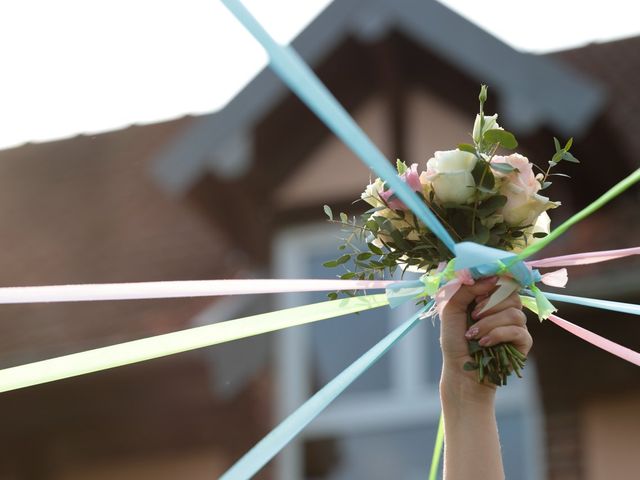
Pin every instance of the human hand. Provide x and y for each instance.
(504, 323)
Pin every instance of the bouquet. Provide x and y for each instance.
(479, 196)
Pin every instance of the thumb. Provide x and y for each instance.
(465, 295)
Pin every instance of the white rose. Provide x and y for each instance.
(449, 173)
(490, 123)
(371, 194)
(523, 207)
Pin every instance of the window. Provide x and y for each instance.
(384, 425)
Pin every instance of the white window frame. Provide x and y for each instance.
(409, 401)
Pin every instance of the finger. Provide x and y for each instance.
(509, 316)
(518, 336)
(512, 301)
(467, 293)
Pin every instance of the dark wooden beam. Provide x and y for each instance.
(387, 57)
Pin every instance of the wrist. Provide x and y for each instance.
(459, 387)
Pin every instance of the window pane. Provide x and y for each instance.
(432, 353)
(336, 343)
(513, 433)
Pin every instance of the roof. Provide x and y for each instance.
(84, 210)
(615, 66)
(534, 90)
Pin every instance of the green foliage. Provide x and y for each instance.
(327, 210)
(483, 177)
(561, 153)
(383, 240)
(465, 147)
(503, 168)
(500, 137)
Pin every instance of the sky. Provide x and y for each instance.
(77, 66)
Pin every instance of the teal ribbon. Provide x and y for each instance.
(595, 303)
(301, 80)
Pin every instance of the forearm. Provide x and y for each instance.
(470, 429)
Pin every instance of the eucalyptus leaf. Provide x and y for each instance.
(503, 167)
(470, 366)
(327, 210)
(478, 170)
(490, 205)
(372, 226)
(343, 259)
(465, 147)
(375, 249)
(399, 240)
(481, 235)
(568, 144)
(569, 157)
(488, 181)
(347, 276)
(474, 346)
(503, 137)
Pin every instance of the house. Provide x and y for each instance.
(239, 193)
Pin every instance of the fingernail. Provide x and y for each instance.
(472, 332)
(484, 341)
(478, 308)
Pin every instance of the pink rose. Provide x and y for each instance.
(523, 177)
(524, 205)
(412, 178)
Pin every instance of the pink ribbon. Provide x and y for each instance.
(557, 278)
(178, 289)
(449, 289)
(584, 258)
(601, 342)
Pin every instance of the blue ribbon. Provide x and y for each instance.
(596, 303)
(301, 80)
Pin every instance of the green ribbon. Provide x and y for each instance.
(177, 342)
(544, 307)
(609, 195)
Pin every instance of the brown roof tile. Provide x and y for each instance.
(86, 210)
(616, 65)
